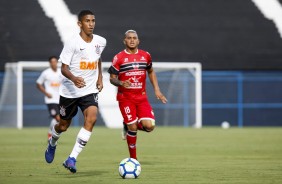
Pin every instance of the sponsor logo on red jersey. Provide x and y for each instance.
(135, 73)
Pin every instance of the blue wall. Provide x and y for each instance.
(243, 98)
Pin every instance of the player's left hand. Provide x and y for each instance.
(99, 86)
(160, 96)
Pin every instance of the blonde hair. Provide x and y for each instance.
(130, 31)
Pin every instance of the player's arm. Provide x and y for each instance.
(116, 82)
(78, 81)
(114, 77)
(42, 89)
(154, 81)
(99, 83)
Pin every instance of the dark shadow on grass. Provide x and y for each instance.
(149, 163)
(68, 174)
(128, 179)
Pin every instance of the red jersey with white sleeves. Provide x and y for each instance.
(131, 67)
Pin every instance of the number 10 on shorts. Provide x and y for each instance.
(127, 112)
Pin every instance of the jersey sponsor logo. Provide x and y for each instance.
(55, 84)
(135, 83)
(125, 60)
(81, 49)
(84, 65)
(135, 73)
(135, 79)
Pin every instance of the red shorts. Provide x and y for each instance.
(135, 108)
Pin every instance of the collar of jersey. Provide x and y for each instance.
(130, 53)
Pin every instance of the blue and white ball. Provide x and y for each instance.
(129, 168)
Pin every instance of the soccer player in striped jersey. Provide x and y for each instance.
(128, 72)
(81, 68)
(48, 83)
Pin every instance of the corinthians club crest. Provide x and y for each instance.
(62, 110)
(97, 49)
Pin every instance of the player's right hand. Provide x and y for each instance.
(79, 82)
(49, 95)
(126, 83)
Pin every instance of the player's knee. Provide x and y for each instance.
(150, 126)
(132, 127)
(62, 127)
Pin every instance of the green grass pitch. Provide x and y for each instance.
(169, 155)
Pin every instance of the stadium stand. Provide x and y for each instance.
(26, 33)
(222, 34)
(231, 38)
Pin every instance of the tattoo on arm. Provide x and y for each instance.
(115, 81)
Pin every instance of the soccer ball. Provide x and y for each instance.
(225, 125)
(129, 168)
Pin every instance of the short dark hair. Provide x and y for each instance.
(52, 57)
(82, 13)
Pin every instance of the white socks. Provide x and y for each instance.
(55, 137)
(82, 138)
(52, 124)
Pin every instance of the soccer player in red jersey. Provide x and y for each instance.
(128, 72)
